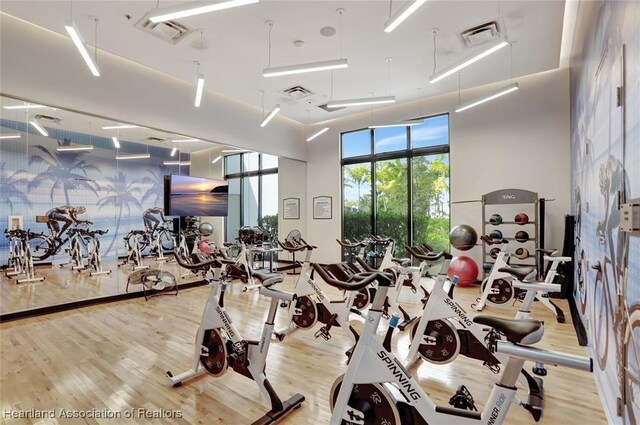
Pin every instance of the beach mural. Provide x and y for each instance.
(605, 144)
(35, 177)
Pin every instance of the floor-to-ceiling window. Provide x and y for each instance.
(253, 192)
(395, 183)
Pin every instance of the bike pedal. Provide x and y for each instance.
(324, 334)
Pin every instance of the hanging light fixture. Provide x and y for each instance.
(401, 14)
(194, 8)
(185, 140)
(362, 101)
(200, 75)
(116, 142)
(38, 127)
(176, 163)
(218, 158)
(76, 37)
(134, 156)
(452, 69)
(25, 106)
(318, 133)
(493, 95)
(119, 126)
(173, 151)
(270, 115)
(10, 136)
(73, 148)
(305, 67)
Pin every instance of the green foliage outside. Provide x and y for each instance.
(430, 180)
(270, 224)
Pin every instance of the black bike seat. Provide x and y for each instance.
(519, 273)
(524, 331)
(268, 279)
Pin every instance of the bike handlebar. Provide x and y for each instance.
(431, 256)
(383, 279)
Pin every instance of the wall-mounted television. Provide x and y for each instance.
(195, 196)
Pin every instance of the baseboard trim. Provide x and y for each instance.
(41, 311)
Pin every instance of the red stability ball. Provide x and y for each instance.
(465, 268)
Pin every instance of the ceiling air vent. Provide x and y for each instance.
(170, 31)
(482, 34)
(324, 108)
(296, 93)
(154, 139)
(47, 118)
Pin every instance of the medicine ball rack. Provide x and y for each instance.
(532, 206)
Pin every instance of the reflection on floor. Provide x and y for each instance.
(115, 356)
(63, 285)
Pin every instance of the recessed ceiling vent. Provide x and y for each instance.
(482, 34)
(324, 108)
(170, 31)
(296, 93)
(40, 117)
(154, 139)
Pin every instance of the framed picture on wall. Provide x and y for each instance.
(291, 209)
(322, 208)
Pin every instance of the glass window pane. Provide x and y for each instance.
(269, 161)
(356, 143)
(433, 132)
(431, 201)
(250, 161)
(390, 139)
(392, 201)
(250, 201)
(233, 219)
(269, 200)
(357, 201)
(232, 164)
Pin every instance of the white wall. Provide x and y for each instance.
(518, 141)
(292, 183)
(43, 66)
(201, 166)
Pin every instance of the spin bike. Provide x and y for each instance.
(498, 287)
(445, 331)
(377, 389)
(312, 304)
(79, 247)
(21, 259)
(133, 242)
(219, 344)
(94, 263)
(240, 267)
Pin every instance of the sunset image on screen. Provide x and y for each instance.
(196, 196)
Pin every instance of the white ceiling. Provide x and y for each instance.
(235, 46)
(91, 125)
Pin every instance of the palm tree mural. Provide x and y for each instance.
(9, 182)
(121, 196)
(154, 177)
(66, 172)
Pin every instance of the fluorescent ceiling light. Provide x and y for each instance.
(494, 47)
(176, 163)
(116, 142)
(216, 160)
(38, 127)
(234, 150)
(72, 148)
(119, 126)
(510, 88)
(305, 67)
(28, 106)
(270, 116)
(10, 136)
(173, 151)
(400, 124)
(402, 14)
(134, 156)
(185, 140)
(316, 134)
(359, 102)
(199, 89)
(77, 40)
(194, 8)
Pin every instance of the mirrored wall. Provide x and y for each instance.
(83, 197)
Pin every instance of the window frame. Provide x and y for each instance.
(242, 175)
(409, 153)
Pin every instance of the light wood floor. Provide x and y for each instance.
(115, 357)
(63, 285)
